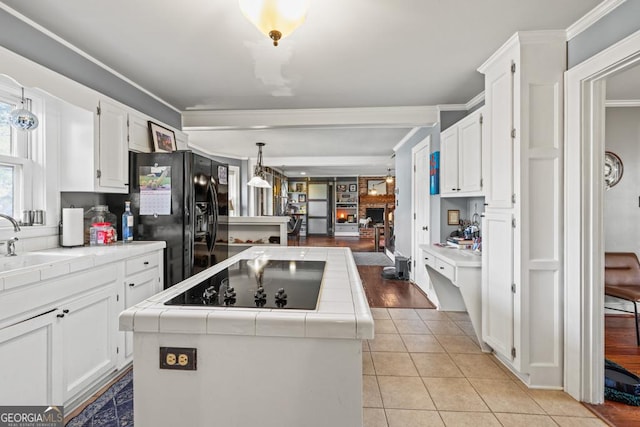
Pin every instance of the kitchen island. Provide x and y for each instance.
(210, 365)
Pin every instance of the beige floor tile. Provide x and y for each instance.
(403, 314)
(475, 419)
(371, 397)
(478, 366)
(431, 314)
(467, 328)
(436, 365)
(412, 327)
(367, 364)
(444, 327)
(380, 313)
(579, 422)
(387, 342)
(505, 396)
(454, 394)
(404, 393)
(457, 344)
(409, 418)
(365, 345)
(399, 364)
(559, 403)
(374, 418)
(462, 316)
(422, 344)
(525, 420)
(385, 326)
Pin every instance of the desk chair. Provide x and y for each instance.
(622, 280)
(294, 233)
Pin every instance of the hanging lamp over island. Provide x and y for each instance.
(275, 18)
(258, 179)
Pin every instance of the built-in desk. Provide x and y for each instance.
(457, 282)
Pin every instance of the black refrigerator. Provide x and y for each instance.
(180, 198)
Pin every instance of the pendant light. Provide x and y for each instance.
(275, 18)
(389, 177)
(258, 172)
(23, 119)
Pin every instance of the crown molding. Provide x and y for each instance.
(452, 107)
(406, 138)
(524, 37)
(621, 103)
(83, 54)
(593, 16)
(475, 100)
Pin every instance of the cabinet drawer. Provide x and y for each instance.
(140, 263)
(429, 260)
(446, 269)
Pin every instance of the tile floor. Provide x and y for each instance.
(424, 368)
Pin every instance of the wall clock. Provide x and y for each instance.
(612, 169)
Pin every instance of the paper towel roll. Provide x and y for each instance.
(72, 227)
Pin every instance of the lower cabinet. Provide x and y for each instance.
(30, 352)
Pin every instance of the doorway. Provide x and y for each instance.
(420, 208)
(584, 223)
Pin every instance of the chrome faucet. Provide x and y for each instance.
(11, 247)
(16, 226)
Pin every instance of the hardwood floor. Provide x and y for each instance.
(621, 348)
(380, 292)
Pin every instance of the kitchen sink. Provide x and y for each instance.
(31, 259)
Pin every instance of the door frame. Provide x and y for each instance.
(585, 95)
(415, 255)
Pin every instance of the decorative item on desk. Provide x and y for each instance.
(351, 218)
(453, 217)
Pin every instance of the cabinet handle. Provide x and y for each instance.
(65, 311)
(60, 316)
(441, 268)
(131, 285)
(146, 263)
(453, 189)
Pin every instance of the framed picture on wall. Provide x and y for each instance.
(353, 187)
(453, 217)
(341, 188)
(164, 140)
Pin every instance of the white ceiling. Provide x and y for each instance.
(204, 55)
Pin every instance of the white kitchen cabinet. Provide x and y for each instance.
(138, 133)
(182, 140)
(89, 333)
(101, 163)
(143, 279)
(522, 304)
(30, 351)
(461, 157)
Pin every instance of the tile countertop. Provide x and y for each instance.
(60, 261)
(342, 312)
(455, 256)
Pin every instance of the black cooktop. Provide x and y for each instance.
(259, 283)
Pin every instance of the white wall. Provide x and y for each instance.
(621, 202)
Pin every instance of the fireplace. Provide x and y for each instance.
(376, 215)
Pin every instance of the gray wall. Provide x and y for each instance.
(36, 46)
(402, 216)
(615, 26)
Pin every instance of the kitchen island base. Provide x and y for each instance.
(249, 381)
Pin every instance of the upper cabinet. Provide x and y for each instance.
(112, 148)
(461, 157)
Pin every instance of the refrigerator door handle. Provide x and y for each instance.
(213, 219)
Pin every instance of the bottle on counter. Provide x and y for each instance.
(127, 223)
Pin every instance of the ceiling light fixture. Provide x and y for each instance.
(22, 118)
(258, 179)
(389, 177)
(275, 18)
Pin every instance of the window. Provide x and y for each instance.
(14, 161)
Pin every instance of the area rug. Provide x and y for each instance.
(114, 408)
(372, 258)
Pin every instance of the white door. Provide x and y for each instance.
(420, 211)
(30, 368)
(497, 281)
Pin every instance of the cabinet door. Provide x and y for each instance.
(470, 154)
(89, 330)
(30, 370)
(497, 280)
(138, 132)
(499, 188)
(113, 162)
(449, 162)
(138, 288)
